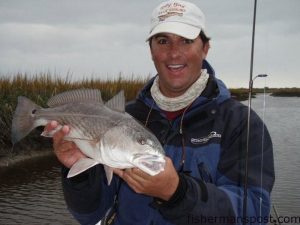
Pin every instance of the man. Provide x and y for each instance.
(203, 132)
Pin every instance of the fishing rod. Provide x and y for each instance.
(251, 80)
(245, 199)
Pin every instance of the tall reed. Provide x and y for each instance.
(40, 87)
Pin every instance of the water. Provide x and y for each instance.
(282, 116)
(31, 193)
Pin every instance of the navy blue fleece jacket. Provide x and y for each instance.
(212, 140)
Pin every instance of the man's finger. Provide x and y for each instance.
(58, 137)
(50, 126)
(139, 174)
(119, 172)
(64, 146)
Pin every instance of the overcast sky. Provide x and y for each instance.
(94, 38)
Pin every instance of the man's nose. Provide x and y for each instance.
(175, 51)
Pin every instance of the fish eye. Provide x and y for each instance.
(141, 140)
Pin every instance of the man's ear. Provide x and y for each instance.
(150, 48)
(205, 49)
(151, 54)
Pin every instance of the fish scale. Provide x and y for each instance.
(105, 133)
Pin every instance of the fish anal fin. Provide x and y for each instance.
(109, 174)
(81, 166)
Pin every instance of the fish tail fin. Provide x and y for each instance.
(23, 119)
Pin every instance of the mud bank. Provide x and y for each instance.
(10, 159)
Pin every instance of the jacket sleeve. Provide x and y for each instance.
(87, 195)
(201, 203)
(221, 202)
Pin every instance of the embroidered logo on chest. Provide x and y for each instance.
(203, 140)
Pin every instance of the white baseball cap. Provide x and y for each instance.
(177, 17)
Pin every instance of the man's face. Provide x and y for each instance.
(178, 62)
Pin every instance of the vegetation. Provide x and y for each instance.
(41, 87)
(286, 92)
(240, 94)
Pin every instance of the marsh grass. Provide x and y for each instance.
(40, 87)
(286, 92)
(240, 94)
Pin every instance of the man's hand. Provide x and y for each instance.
(66, 151)
(162, 185)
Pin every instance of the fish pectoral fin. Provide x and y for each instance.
(70, 138)
(108, 173)
(151, 164)
(81, 166)
(52, 132)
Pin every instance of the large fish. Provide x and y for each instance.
(105, 133)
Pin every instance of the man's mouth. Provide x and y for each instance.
(175, 67)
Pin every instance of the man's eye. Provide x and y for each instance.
(188, 41)
(162, 41)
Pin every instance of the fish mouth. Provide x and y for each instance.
(149, 163)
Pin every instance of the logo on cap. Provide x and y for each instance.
(170, 9)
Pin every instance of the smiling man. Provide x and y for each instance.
(178, 61)
(203, 132)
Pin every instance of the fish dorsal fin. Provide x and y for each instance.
(79, 95)
(117, 102)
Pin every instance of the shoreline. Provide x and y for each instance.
(10, 160)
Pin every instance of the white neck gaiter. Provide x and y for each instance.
(182, 101)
